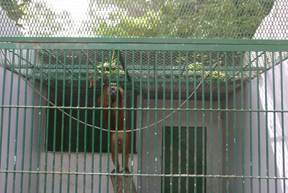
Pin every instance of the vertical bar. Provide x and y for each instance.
(109, 124)
(9, 120)
(227, 133)
(266, 124)
(132, 114)
(118, 120)
(40, 114)
(55, 120)
(155, 157)
(2, 103)
(203, 117)
(171, 128)
(63, 117)
(274, 121)
(85, 118)
(179, 112)
(24, 121)
(163, 114)
(234, 67)
(195, 82)
(149, 130)
(70, 120)
(17, 121)
(125, 118)
(250, 124)
(48, 124)
(93, 129)
(282, 122)
(241, 125)
(32, 127)
(101, 124)
(220, 114)
(187, 80)
(258, 124)
(140, 133)
(211, 105)
(77, 125)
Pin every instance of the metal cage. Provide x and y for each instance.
(185, 108)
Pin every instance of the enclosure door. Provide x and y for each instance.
(184, 152)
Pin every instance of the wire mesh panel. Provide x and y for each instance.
(201, 19)
(143, 117)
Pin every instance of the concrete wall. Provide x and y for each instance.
(255, 140)
(151, 141)
(21, 133)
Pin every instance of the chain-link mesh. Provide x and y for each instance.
(236, 19)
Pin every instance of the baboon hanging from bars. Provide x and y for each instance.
(119, 141)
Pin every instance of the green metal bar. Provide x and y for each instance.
(70, 126)
(234, 118)
(187, 114)
(62, 123)
(24, 125)
(259, 128)
(179, 123)
(16, 128)
(78, 127)
(48, 125)
(274, 122)
(140, 133)
(32, 127)
(148, 103)
(55, 118)
(93, 132)
(85, 127)
(203, 116)
(146, 175)
(126, 103)
(155, 129)
(250, 127)
(211, 105)
(171, 129)
(220, 113)
(101, 126)
(155, 40)
(174, 46)
(195, 131)
(242, 127)
(132, 122)
(39, 140)
(282, 122)
(227, 133)
(2, 103)
(163, 134)
(144, 109)
(9, 123)
(266, 124)
(109, 128)
(117, 122)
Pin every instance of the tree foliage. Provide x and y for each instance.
(153, 18)
(14, 9)
(186, 18)
(43, 20)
